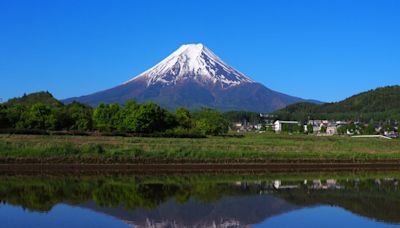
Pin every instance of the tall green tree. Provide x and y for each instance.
(183, 118)
(368, 130)
(286, 128)
(300, 127)
(60, 119)
(4, 122)
(81, 116)
(323, 130)
(242, 116)
(38, 117)
(14, 114)
(127, 115)
(145, 118)
(210, 122)
(106, 117)
(310, 129)
(342, 130)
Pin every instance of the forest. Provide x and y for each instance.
(381, 104)
(40, 112)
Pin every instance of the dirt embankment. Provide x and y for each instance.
(161, 166)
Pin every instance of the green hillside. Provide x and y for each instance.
(45, 98)
(379, 104)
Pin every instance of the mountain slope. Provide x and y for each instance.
(194, 77)
(379, 104)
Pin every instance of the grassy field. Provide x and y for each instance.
(251, 146)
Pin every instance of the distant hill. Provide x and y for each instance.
(378, 104)
(33, 98)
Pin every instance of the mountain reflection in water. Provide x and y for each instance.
(208, 200)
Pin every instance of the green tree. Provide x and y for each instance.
(242, 116)
(183, 118)
(368, 130)
(38, 117)
(310, 129)
(210, 122)
(60, 119)
(81, 116)
(106, 117)
(285, 128)
(14, 114)
(342, 130)
(323, 130)
(127, 115)
(270, 129)
(300, 128)
(145, 118)
(4, 122)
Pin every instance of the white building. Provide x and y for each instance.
(238, 124)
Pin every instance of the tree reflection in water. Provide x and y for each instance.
(204, 200)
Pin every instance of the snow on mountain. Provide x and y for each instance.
(192, 61)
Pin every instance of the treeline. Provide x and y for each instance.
(41, 111)
(243, 117)
(382, 104)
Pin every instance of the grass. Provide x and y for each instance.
(252, 146)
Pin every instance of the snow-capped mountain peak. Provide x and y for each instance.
(193, 62)
(193, 77)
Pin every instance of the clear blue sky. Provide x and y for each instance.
(326, 50)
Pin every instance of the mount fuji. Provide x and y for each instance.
(193, 77)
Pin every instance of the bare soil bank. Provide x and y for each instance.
(48, 167)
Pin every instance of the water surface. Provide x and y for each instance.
(275, 200)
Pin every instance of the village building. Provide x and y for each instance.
(331, 129)
(316, 125)
(330, 126)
